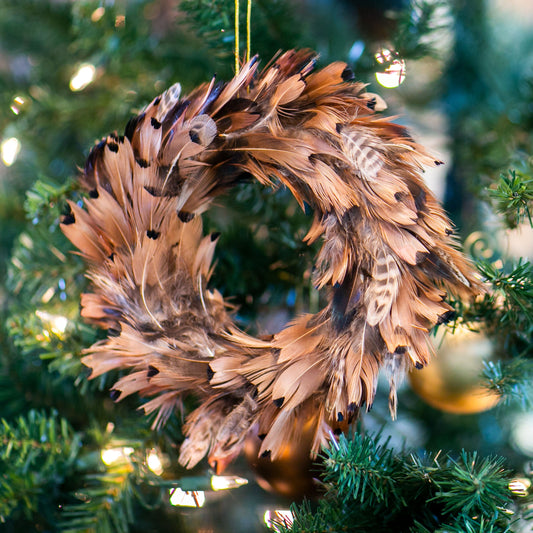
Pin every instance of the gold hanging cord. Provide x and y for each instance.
(248, 29)
(236, 52)
(248, 33)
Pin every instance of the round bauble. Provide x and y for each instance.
(293, 474)
(452, 381)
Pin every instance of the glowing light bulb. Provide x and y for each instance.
(115, 455)
(10, 149)
(97, 14)
(520, 487)
(59, 324)
(279, 516)
(227, 482)
(47, 296)
(82, 77)
(153, 460)
(393, 73)
(17, 104)
(189, 498)
(55, 324)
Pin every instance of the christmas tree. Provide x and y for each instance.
(74, 460)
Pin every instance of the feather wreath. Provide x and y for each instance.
(386, 261)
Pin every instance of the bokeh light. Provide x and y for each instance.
(10, 149)
(392, 71)
(82, 77)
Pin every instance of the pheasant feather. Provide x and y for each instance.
(386, 262)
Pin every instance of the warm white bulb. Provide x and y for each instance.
(114, 455)
(47, 296)
(154, 462)
(10, 149)
(227, 482)
(520, 487)
(97, 14)
(17, 104)
(392, 70)
(393, 76)
(59, 324)
(56, 324)
(83, 77)
(189, 498)
(384, 55)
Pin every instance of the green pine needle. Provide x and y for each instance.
(513, 197)
(37, 451)
(472, 485)
(362, 470)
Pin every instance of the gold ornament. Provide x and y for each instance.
(293, 473)
(452, 381)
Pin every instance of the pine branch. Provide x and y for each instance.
(505, 314)
(362, 470)
(370, 487)
(213, 23)
(471, 485)
(36, 454)
(105, 503)
(419, 27)
(511, 380)
(511, 299)
(272, 26)
(467, 524)
(506, 310)
(513, 197)
(108, 497)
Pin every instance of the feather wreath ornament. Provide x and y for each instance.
(386, 261)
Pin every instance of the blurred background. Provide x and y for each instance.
(459, 73)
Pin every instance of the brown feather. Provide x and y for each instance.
(385, 259)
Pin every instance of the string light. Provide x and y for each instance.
(227, 482)
(55, 324)
(520, 487)
(47, 296)
(195, 483)
(192, 489)
(111, 456)
(279, 516)
(187, 498)
(82, 77)
(154, 462)
(393, 74)
(10, 149)
(17, 104)
(97, 14)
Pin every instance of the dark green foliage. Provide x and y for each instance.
(371, 487)
(37, 452)
(505, 315)
(506, 310)
(471, 485)
(263, 263)
(513, 197)
(420, 18)
(214, 23)
(512, 379)
(362, 470)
